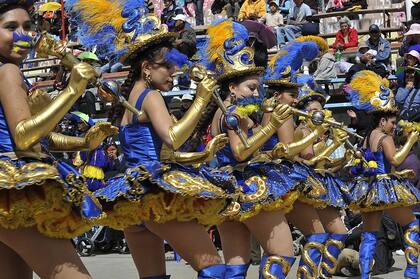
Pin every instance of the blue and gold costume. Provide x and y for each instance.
(162, 191)
(376, 187)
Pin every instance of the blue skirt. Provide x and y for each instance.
(273, 185)
(49, 195)
(164, 192)
(381, 192)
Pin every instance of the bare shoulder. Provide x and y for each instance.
(8, 71)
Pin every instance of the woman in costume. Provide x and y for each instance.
(280, 88)
(172, 199)
(378, 188)
(265, 193)
(41, 199)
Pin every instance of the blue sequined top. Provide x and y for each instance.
(139, 141)
(383, 165)
(271, 143)
(6, 140)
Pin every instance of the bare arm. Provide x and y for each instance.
(397, 157)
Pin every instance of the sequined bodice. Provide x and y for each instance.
(225, 155)
(383, 165)
(271, 143)
(139, 141)
(6, 140)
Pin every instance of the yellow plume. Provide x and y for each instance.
(217, 37)
(367, 83)
(98, 13)
(322, 43)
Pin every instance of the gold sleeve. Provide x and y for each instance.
(324, 153)
(402, 153)
(60, 142)
(283, 150)
(28, 132)
(183, 128)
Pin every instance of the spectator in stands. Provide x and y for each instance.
(169, 11)
(285, 7)
(186, 41)
(380, 44)
(199, 13)
(412, 37)
(367, 62)
(273, 18)
(408, 94)
(186, 102)
(347, 36)
(415, 11)
(252, 10)
(115, 161)
(297, 17)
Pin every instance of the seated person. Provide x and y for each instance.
(252, 10)
(380, 44)
(297, 17)
(347, 36)
(273, 18)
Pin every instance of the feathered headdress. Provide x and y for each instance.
(23, 3)
(282, 68)
(322, 43)
(369, 92)
(118, 28)
(226, 53)
(308, 92)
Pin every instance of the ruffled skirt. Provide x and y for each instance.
(384, 191)
(53, 198)
(164, 192)
(268, 186)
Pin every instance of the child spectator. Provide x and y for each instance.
(274, 17)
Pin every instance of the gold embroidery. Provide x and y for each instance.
(310, 267)
(413, 246)
(275, 260)
(260, 193)
(329, 256)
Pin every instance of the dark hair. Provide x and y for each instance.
(374, 120)
(208, 114)
(10, 7)
(260, 54)
(151, 53)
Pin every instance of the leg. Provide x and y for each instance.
(306, 219)
(371, 226)
(199, 12)
(147, 251)
(280, 36)
(411, 238)
(199, 252)
(12, 265)
(236, 242)
(273, 233)
(333, 224)
(48, 257)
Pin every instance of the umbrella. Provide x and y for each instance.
(261, 32)
(49, 7)
(88, 55)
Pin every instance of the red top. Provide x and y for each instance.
(353, 39)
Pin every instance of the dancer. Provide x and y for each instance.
(171, 198)
(41, 198)
(283, 69)
(267, 190)
(378, 188)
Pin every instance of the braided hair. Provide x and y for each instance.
(151, 53)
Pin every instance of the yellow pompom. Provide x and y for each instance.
(356, 161)
(372, 164)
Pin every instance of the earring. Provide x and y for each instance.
(148, 79)
(233, 98)
(382, 128)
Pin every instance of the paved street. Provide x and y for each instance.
(115, 266)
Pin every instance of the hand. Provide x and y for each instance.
(38, 100)
(339, 136)
(322, 129)
(83, 71)
(280, 114)
(340, 46)
(206, 87)
(409, 85)
(213, 146)
(98, 133)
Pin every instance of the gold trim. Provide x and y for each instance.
(240, 73)
(285, 266)
(329, 256)
(279, 82)
(140, 44)
(412, 245)
(310, 267)
(300, 101)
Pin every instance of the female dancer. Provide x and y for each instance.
(379, 189)
(266, 188)
(170, 198)
(38, 197)
(281, 89)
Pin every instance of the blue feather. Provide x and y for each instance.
(177, 58)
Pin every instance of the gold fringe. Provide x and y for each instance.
(285, 204)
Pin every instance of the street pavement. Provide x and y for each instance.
(116, 266)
